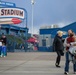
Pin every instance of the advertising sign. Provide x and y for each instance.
(12, 13)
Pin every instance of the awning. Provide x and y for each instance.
(32, 40)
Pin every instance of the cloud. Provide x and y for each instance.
(62, 24)
(35, 31)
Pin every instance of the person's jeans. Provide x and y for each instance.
(67, 63)
(3, 52)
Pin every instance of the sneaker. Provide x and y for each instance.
(75, 72)
(58, 66)
(4, 56)
(1, 55)
(66, 73)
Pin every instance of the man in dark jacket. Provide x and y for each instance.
(58, 47)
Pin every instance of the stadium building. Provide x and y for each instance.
(47, 34)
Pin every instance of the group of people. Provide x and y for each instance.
(59, 45)
(3, 51)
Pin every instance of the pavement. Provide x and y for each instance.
(32, 63)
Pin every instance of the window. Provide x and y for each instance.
(43, 42)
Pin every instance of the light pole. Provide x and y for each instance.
(32, 2)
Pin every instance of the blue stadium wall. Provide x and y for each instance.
(13, 30)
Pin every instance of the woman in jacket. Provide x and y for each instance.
(58, 47)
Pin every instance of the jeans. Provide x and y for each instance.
(3, 52)
(67, 63)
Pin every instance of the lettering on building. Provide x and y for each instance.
(11, 12)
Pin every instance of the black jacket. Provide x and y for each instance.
(4, 40)
(58, 43)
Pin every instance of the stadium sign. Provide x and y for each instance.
(12, 13)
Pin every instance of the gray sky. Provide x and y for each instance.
(48, 12)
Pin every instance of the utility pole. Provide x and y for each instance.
(32, 2)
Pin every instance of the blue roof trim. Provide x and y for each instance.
(48, 31)
(13, 27)
(71, 26)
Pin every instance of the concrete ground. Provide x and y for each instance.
(31, 63)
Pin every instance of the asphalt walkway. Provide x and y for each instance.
(31, 63)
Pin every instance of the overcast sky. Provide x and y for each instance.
(48, 12)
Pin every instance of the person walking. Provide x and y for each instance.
(58, 47)
(68, 40)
